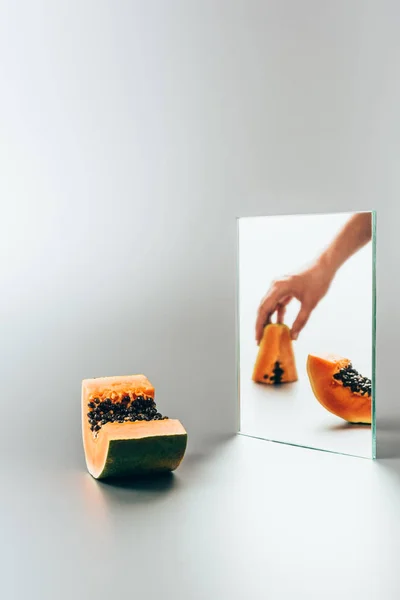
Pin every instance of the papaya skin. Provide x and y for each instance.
(129, 449)
(351, 406)
(275, 347)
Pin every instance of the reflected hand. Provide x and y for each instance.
(308, 287)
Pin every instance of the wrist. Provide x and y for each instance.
(326, 266)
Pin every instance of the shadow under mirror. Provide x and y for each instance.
(306, 323)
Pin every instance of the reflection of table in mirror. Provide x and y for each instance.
(290, 413)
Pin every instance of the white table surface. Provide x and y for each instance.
(247, 519)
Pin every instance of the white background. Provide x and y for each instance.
(133, 134)
(270, 247)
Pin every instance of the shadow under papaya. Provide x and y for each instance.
(345, 426)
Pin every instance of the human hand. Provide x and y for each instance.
(308, 286)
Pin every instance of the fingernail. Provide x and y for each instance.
(295, 336)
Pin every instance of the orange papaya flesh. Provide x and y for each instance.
(123, 432)
(275, 362)
(339, 388)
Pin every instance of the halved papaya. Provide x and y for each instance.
(275, 361)
(340, 388)
(123, 432)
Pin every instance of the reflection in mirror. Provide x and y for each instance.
(306, 330)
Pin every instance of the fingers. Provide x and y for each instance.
(268, 306)
(301, 320)
(262, 319)
(281, 309)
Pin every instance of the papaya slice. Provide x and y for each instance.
(340, 388)
(275, 362)
(123, 432)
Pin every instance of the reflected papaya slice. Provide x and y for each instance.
(340, 388)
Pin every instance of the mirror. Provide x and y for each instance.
(306, 330)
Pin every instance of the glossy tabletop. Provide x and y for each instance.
(247, 518)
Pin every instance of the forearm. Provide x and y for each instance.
(353, 236)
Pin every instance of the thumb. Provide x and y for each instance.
(301, 320)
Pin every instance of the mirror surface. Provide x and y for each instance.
(300, 391)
